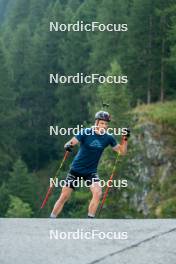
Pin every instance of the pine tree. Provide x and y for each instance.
(8, 117)
(117, 96)
(23, 184)
(18, 12)
(106, 45)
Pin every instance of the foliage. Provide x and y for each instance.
(18, 208)
(166, 209)
(5, 199)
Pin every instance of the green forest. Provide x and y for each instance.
(29, 104)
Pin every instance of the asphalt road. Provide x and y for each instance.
(87, 241)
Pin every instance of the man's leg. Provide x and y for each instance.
(65, 195)
(96, 196)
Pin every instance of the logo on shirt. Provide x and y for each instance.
(96, 144)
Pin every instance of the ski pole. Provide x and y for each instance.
(107, 188)
(51, 187)
(113, 172)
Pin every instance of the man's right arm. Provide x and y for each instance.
(71, 143)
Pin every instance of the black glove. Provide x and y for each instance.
(127, 135)
(68, 147)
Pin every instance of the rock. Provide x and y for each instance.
(153, 162)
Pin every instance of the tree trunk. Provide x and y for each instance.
(162, 61)
(149, 82)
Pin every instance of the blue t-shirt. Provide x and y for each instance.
(90, 151)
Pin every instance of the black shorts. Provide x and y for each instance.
(73, 179)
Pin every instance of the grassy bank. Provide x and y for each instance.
(161, 113)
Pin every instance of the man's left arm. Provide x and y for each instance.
(122, 147)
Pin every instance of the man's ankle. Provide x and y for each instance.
(91, 215)
(53, 215)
